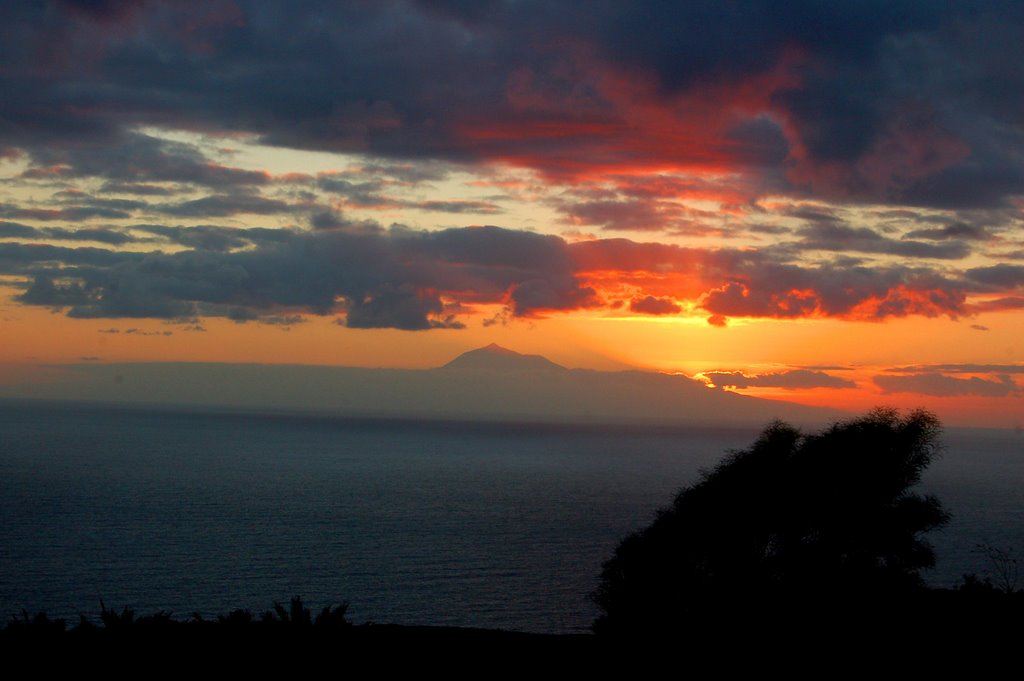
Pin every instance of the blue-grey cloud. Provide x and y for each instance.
(998, 277)
(129, 160)
(215, 237)
(375, 279)
(412, 279)
(791, 379)
(223, 205)
(956, 230)
(960, 369)
(839, 237)
(69, 213)
(911, 103)
(940, 385)
(18, 230)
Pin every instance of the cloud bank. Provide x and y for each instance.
(854, 162)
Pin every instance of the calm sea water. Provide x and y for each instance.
(411, 522)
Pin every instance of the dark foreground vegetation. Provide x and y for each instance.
(286, 639)
(808, 540)
(801, 546)
(976, 624)
(808, 520)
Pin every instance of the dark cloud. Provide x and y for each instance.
(82, 200)
(769, 229)
(243, 315)
(890, 103)
(105, 236)
(18, 230)
(137, 188)
(397, 309)
(327, 219)
(837, 237)
(647, 34)
(551, 293)
(224, 205)
(97, 303)
(70, 213)
(1000, 276)
(19, 258)
(762, 140)
(482, 207)
(998, 304)
(814, 215)
(655, 306)
(793, 379)
(378, 279)
(358, 192)
(957, 230)
(54, 172)
(411, 279)
(519, 254)
(960, 369)
(282, 320)
(143, 332)
(989, 177)
(100, 11)
(925, 120)
(131, 160)
(333, 219)
(216, 238)
(787, 291)
(44, 291)
(940, 385)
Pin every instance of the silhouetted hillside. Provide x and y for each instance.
(490, 383)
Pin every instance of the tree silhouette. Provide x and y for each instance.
(795, 519)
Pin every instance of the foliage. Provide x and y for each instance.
(38, 624)
(1003, 567)
(299, 616)
(295, 620)
(794, 518)
(115, 622)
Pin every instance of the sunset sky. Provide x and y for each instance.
(820, 202)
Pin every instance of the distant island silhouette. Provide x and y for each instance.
(489, 383)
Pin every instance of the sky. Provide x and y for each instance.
(812, 201)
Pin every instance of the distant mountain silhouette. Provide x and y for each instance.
(490, 383)
(496, 358)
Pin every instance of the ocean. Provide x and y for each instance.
(410, 522)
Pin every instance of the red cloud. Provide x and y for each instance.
(589, 119)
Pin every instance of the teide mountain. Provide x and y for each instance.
(496, 358)
(498, 381)
(490, 383)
